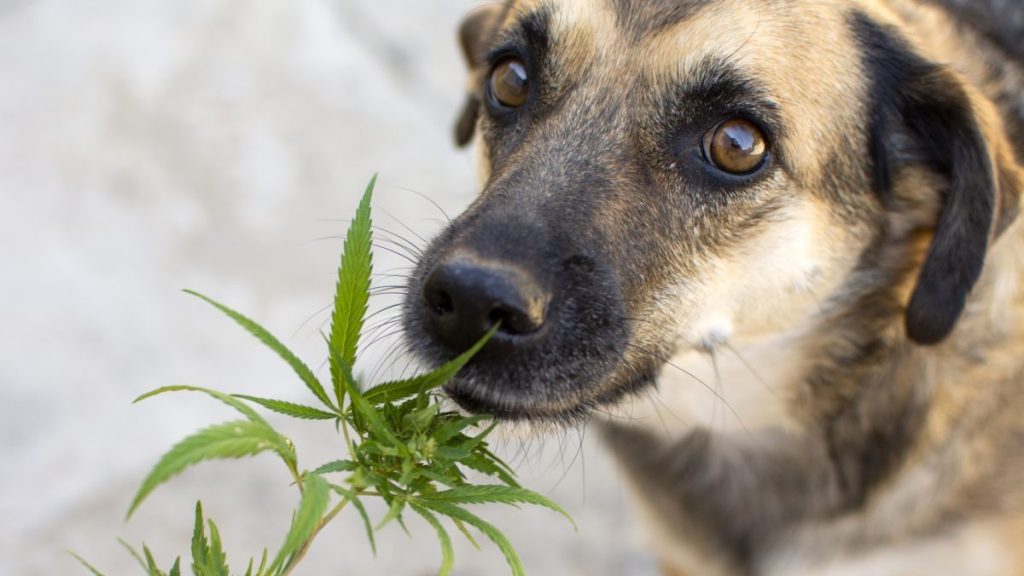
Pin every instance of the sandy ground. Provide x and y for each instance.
(214, 144)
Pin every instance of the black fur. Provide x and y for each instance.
(926, 102)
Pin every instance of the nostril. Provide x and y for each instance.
(463, 299)
(513, 321)
(440, 302)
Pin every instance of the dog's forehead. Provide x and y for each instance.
(801, 52)
(771, 38)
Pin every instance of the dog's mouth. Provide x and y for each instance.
(564, 393)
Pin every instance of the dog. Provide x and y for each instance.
(772, 248)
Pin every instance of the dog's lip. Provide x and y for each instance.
(475, 403)
(472, 401)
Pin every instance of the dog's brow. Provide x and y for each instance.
(529, 31)
(643, 18)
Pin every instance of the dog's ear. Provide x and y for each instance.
(474, 33)
(923, 113)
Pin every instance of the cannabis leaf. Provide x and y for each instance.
(402, 445)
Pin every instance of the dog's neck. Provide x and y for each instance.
(798, 430)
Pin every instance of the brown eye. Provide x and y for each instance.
(736, 146)
(510, 86)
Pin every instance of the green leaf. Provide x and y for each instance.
(394, 391)
(216, 560)
(87, 566)
(461, 514)
(225, 398)
(200, 546)
(151, 566)
(176, 569)
(135, 554)
(260, 570)
(229, 440)
(394, 512)
(261, 333)
(452, 429)
(454, 453)
(474, 442)
(485, 462)
(419, 420)
(263, 563)
(311, 509)
(465, 532)
(497, 494)
(336, 466)
(289, 408)
(352, 291)
(447, 552)
(358, 504)
(363, 408)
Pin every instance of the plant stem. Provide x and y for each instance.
(301, 553)
(293, 468)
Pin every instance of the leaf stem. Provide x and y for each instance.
(301, 553)
(293, 469)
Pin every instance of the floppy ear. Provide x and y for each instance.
(474, 32)
(923, 113)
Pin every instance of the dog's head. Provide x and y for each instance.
(675, 174)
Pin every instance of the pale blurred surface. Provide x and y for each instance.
(157, 145)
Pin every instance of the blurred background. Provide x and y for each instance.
(218, 145)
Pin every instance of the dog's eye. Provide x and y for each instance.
(510, 85)
(736, 146)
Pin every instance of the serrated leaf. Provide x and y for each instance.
(394, 512)
(260, 571)
(398, 390)
(225, 398)
(263, 562)
(311, 509)
(492, 533)
(86, 565)
(230, 440)
(465, 532)
(217, 560)
(200, 545)
(496, 494)
(451, 476)
(264, 336)
(134, 554)
(176, 569)
(450, 430)
(454, 453)
(486, 465)
(447, 552)
(358, 505)
(473, 442)
(151, 566)
(336, 466)
(419, 420)
(352, 291)
(364, 409)
(299, 411)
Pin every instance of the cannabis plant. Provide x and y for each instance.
(402, 445)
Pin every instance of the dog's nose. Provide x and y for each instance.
(466, 298)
